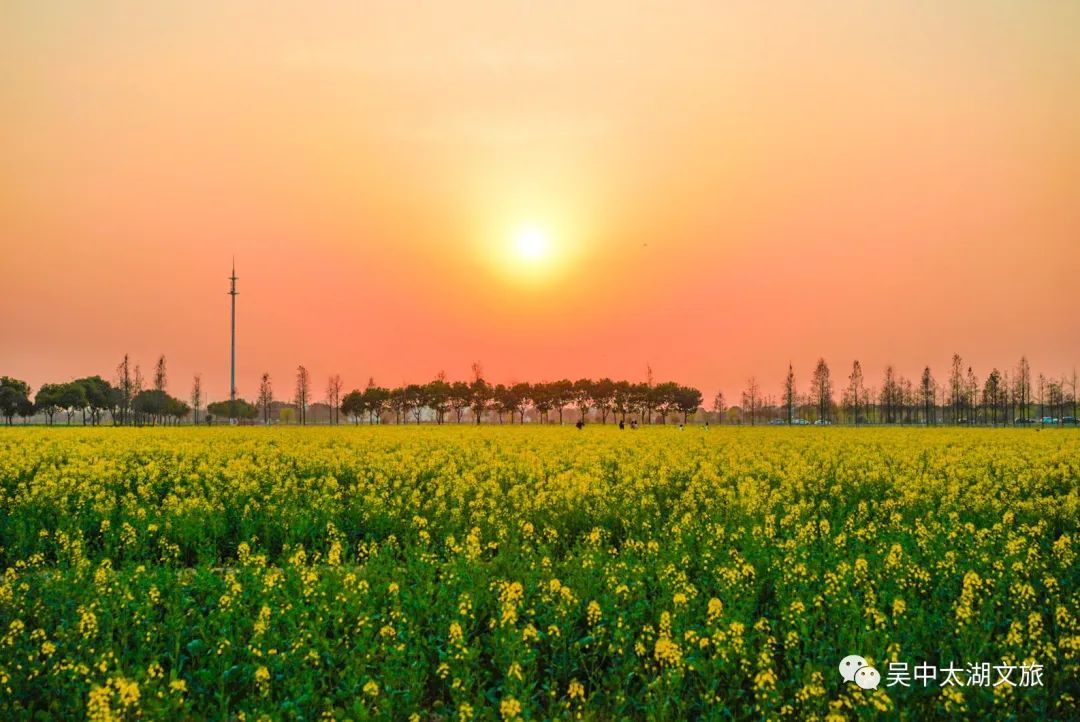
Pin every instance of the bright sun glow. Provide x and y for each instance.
(529, 253)
(532, 244)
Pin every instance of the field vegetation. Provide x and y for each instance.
(489, 573)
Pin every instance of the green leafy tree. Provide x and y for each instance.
(14, 395)
(244, 411)
(460, 398)
(399, 403)
(99, 397)
(176, 409)
(640, 400)
(150, 405)
(352, 404)
(438, 397)
(664, 398)
(520, 394)
(47, 400)
(583, 396)
(603, 397)
(72, 399)
(479, 397)
(687, 401)
(542, 400)
(416, 398)
(561, 395)
(502, 402)
(622, 399)
(9, 402)
(376, 400)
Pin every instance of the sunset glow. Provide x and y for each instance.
(714, 189)
(510, 360)
(532, 244)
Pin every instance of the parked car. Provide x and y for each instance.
(1049, 420)
(1069, 420)
(822, 422)
(776, 422)
(1023, 422)
(800, 422)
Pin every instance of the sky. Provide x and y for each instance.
(555, 189)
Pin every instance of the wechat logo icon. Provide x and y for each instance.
(854, 668)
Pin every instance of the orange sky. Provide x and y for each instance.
(726, 186)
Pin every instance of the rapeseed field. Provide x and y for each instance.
(524, 573)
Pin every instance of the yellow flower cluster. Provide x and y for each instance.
(428, 572)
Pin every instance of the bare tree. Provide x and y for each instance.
(907, 401)
(161, 378)
(648, 398)
(196, 396)
(1022, 387)
(971, 396)
(1056, 395)
(956, 388)
(790, 394)
(890, 395)
(266, 396)
(991, 396)
(856, 391)
(333, 397)
(751, 399)
(1072, 392)
(821, 389)
(927, 391)
(139, 383)
(718, 406)
(303, 393)
(126, 385)
(1006, 398)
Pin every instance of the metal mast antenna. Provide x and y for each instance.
(232, 338)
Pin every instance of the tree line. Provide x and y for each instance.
(130, 400)
(442, 400)
(1011, 397)
(1003, 398)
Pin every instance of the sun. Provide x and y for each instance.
(532, 244)
(529, 253)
